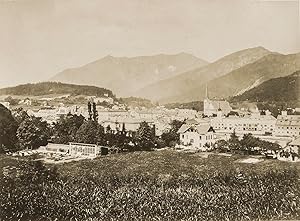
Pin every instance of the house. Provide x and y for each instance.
(287, 125)
(199, 136)
(27, 101)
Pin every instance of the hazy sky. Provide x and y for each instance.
(39, 38)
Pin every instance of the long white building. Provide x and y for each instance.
(287, 125)
(255, 124)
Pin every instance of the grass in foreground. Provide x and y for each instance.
(160, 185)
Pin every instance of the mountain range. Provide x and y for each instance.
(126, 75)
(179, 78)
(190, 86)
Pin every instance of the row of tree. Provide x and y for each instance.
(20, 131)
(247, 145)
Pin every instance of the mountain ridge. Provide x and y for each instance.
(125, 74)
(177, 88)
(49, 88)
(280, 89)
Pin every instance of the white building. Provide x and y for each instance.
(255, 124)
(84, 150)
(287, 125)
(72, 149)
(26, 101)
(199, 136)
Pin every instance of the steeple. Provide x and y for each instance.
(219, 109)
(206, 92)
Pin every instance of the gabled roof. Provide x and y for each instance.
(203, 129)
(191, 121)
(200, 129)
(183, 128)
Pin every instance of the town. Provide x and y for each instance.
(196, 130)
(149, 110)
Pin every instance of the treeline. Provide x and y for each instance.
(248, 145)
(73, 128)
(20, 131)
(137, 102)
(194, 105)
(46, 88)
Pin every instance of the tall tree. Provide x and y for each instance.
(95, 112)
(33, 133)
(145, 138)
(90, 110)
(20, 115)
(8, 128)
(233, 142)
(171, 137)
(90, 132)
(66, 128)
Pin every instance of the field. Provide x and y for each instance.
(158, 185)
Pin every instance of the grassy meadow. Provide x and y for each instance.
(157, 185)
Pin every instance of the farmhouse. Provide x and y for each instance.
(200, 136)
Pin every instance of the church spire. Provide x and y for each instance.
(206, 92)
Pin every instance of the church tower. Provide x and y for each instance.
(206, 103)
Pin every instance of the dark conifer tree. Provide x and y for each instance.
(90, 110)
(95, 112)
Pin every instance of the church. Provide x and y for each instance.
(212, 107)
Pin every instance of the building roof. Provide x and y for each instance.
(223, 105)
(203, 129)
(183, 128)
(295, 142)
(191, 121)
(200, 129)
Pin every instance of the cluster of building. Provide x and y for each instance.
(201, 130)
(202, 133)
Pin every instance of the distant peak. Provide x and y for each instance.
(261, 48)
(108, 57)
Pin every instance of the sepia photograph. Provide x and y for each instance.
(149, 110)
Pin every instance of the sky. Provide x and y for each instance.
(39, 38)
